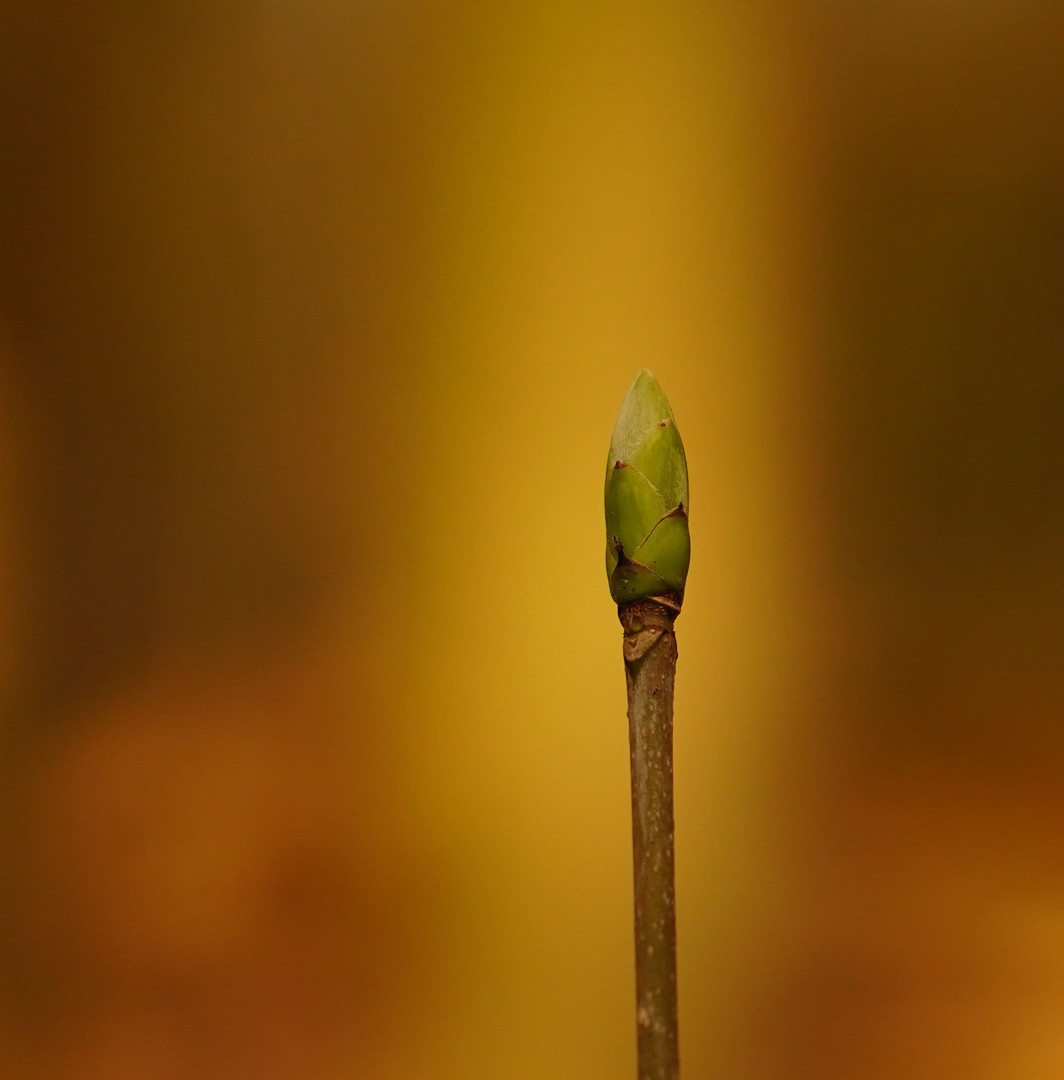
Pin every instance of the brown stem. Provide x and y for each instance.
(650, 666)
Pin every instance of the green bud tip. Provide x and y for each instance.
(648, 546)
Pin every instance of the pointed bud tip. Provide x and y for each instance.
(644, 406)
(646, 391)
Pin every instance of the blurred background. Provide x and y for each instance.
(315, 319)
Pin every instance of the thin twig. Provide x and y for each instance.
(650, 666)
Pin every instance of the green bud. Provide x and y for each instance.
(648, 547)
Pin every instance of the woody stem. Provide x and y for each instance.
(650, 667)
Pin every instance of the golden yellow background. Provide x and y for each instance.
(315, 320)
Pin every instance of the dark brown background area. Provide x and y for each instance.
(314, 322)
